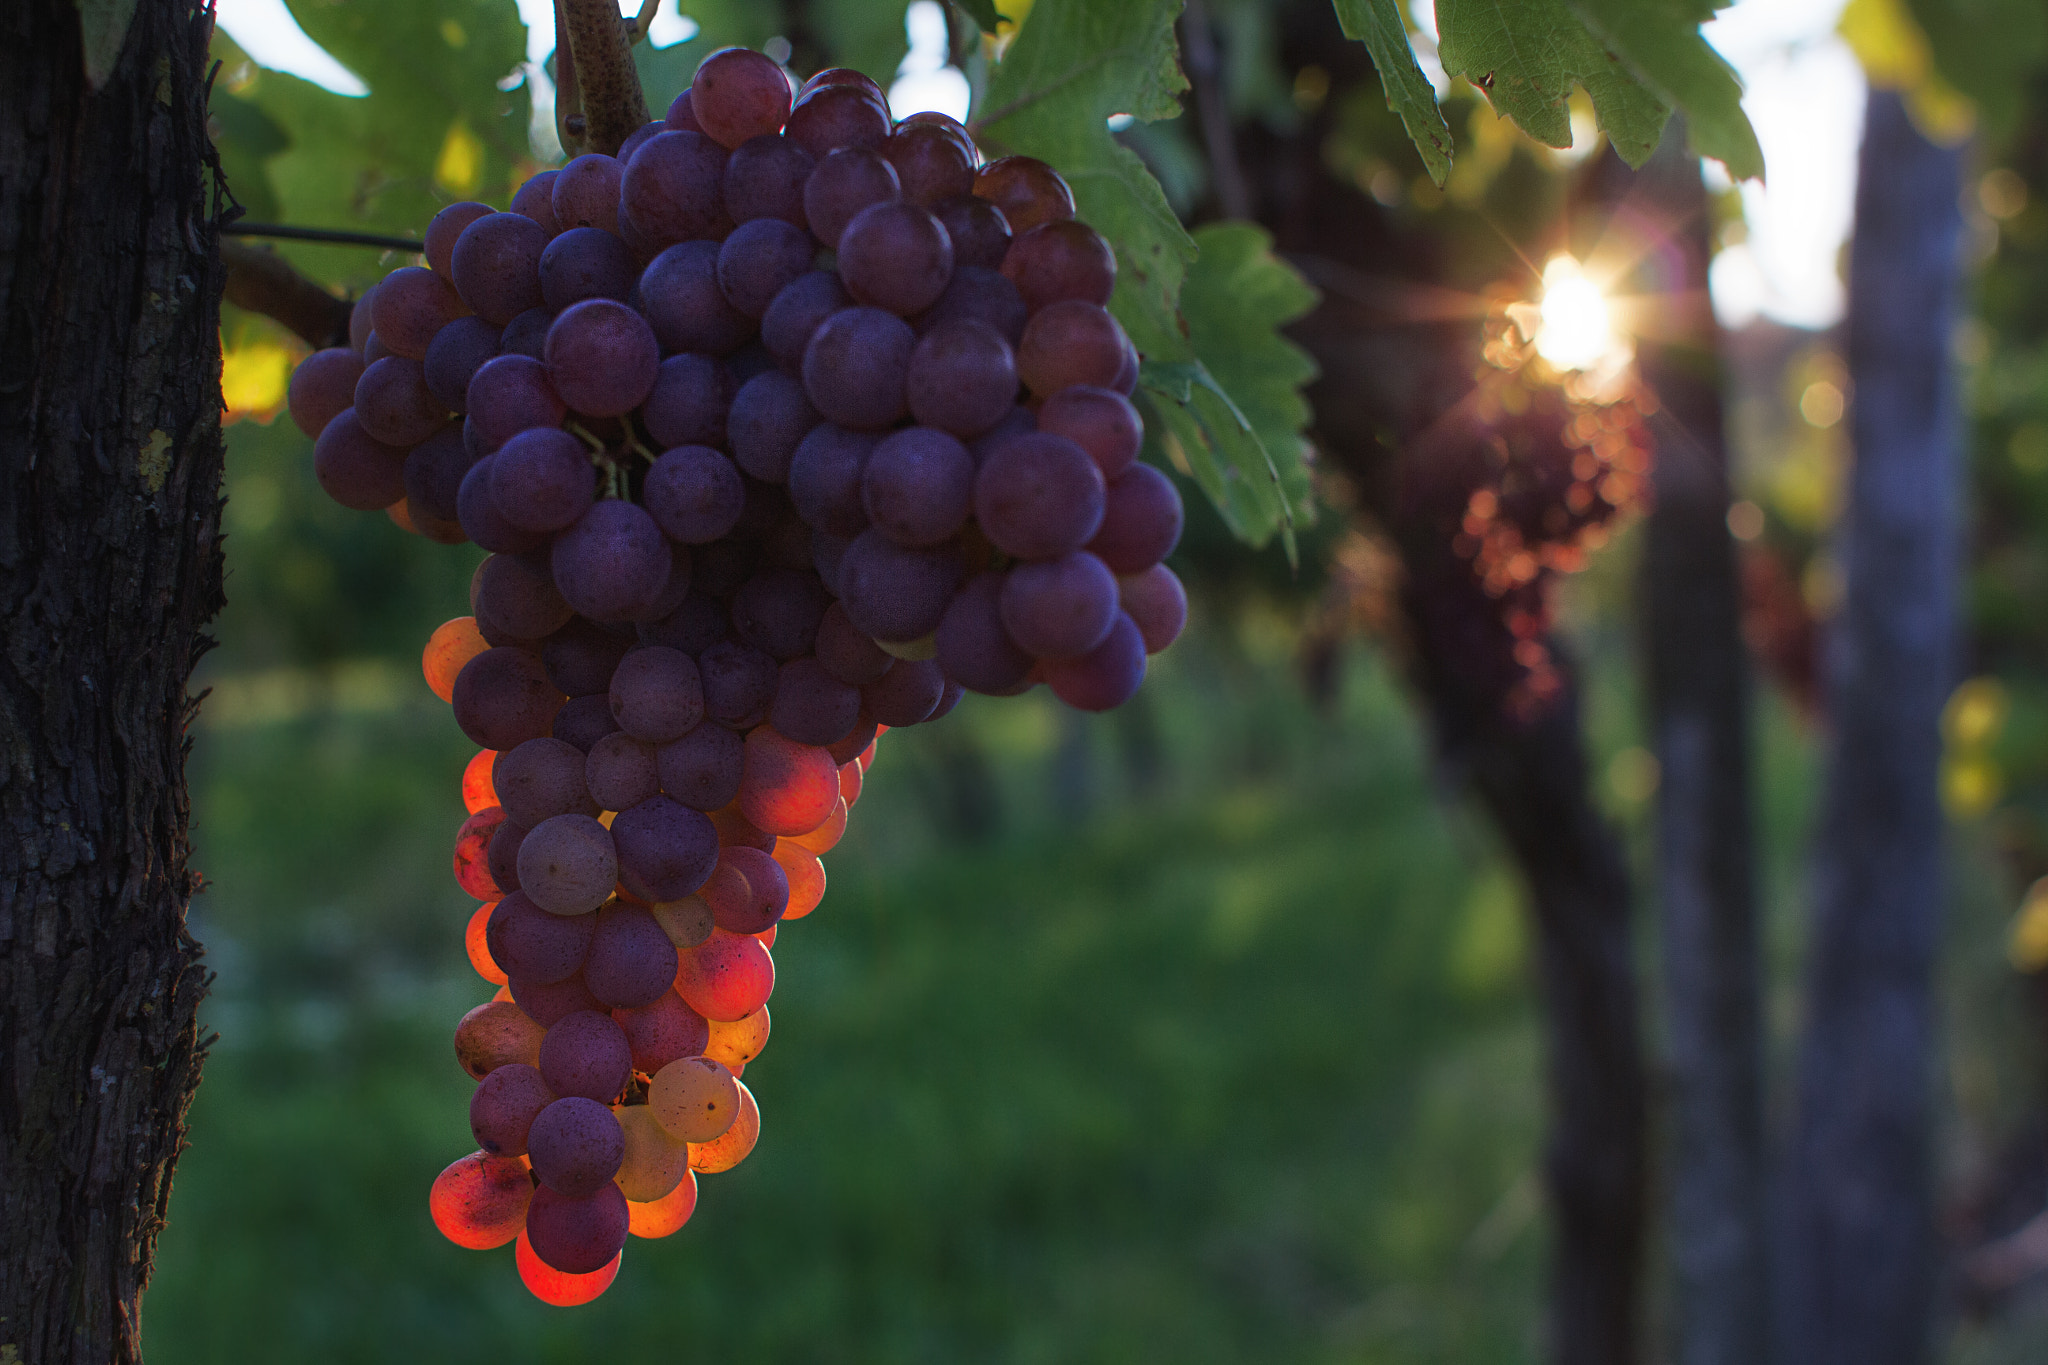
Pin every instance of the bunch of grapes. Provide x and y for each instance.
(782, 427)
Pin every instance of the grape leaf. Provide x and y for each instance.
(982, 12)
(1378, 24)
(866, 35)
(1987, 49)
(1528, 54)
(1660, 43)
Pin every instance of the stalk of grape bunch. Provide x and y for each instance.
(784, 427)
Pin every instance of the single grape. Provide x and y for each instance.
(948, 699)
(1038, 496)
(739, 94)
(759, 259)
(394, 404)
(536, 946)
(602, 357)
(765, 179)
(824, 478)
(702, 769)
(778, 610)
(894, 593)
(503, 1109)
(655, 1163)
(556, 1289)
(355, 468)
(496, 265)
(1156, 604)
(786, 787)
(895, 256)
(542, 778)
(934, 162)
(682, 118)
(575, 1144)
(518, 596)
(905, 695)
(739, 1041)
(586, 263)
(581, 656)
(979, 232)
(613, 563)
(632, 964)
(619, 771)
(496, 1034)
(527, 333)
(739, 681)
(322, 386)
(1028, 191)
(731, 1147)
(673, 191)
(962, 379)
(667, 1215)
(754, 896)
(844, 75)
(639, 138)
(503, 698)
(586, 195)
(583, 721)
(359, 321)
(454, 643)
(770, 415)
(480, 1201)
(445, 229)
(502, 857)
(472, 872)
(918, 487)
(694, 494)
(1141, 520)
(1106, 676)
(694, 1099)
(374, 350)
(454, 356)
(663, 1031)
(542, 480)
(975, 650)
(812, 707)
(536, 200)
(478, 949)
(568, 865)
(549, 1005)
(826, 837)
(477, 791)
(656, 694)
(856, 367)
(1059, 608)
(689, 401)
(844, 184)
(508, 395)
(834, 116)
(1058, 261)
(665, 849)
(1070, 343)
(1100, 421)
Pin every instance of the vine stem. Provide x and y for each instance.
(600, 54)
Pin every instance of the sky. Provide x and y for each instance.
(1803, 90)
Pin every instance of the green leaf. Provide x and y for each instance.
(104, 26)
(1528, 54)
(1378, 24)
(1075, 63)
(1987, 49)
(982, 12)
(866, 35)
(1660, 43)
(1235, 410)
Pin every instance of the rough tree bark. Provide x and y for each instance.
(1860, 1264)
(109, 565)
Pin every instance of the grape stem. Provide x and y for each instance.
(607, 83)
(261, 281)
(589, 438)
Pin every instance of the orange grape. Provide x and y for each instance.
(786, 787)
(740, 1041)
(850, 774)
(480, 1201)
(767, 937)
(479, 951)
(478, 789)
(503, 994)
(655, 1163)
(473, 853)
(825, 837)
(492, 1035)
(694, 1098)
(730, 1148)
(666, 1214)
(806, 878)
(728, 976)
(453, 644)
(559, 1289)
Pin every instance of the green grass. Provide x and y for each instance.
(1245, 1071)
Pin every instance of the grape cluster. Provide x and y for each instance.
(783, 427)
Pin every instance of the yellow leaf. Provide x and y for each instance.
(461, 161)
(2027, 946)
(1975, 713)
(1893, 49)
(253, 379)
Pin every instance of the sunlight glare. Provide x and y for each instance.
(1577, 331)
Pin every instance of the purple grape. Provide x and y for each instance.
(583, 721)
(456, 353)
(394, 404)
(586, 263)
(356, 469)
(375, 350)
(765, 179)
(536, 200)
(770, 415)
(811, 706)
(639, 138)
(948, 699)
(413, 304)
(1059, 608)
(1107, 675)
(581, 656)
(906, 694)
(694, 494)
(934, 163)
(666, 849)
(1156, 603)
(1141, 520)
(632, 964)
(501, 856)
(575, 1144)
(857, 739)
(963, 378)
(759, 259)
(433, 473)
(975, 294)
(578, 1236)
(542, 480)
(442, 232)
(766, 897)
(856, 366)
(620, 771)
(980, 233)
(663, 1032)
(503, 1109)
(1038, 496)
(521, 598)
(893, 593)
(656, 694)
(835, 116)
(673, 191)
(479, 515)
(527, 334)
(738, 681)
(613, 563)
(703, 768)
(895, 256)
(739, 94)
(508, 395)
(1100, 421)
(1071, 342)
(918, 486)
(693, 627)
(503, 698)
(844, 184)
(549, 1005)
(1058, 261)
(679, 293)
(777, 611)
(796, 312)
(586, 195)
(824, 478)
(531, 944)
(496, 265)
(974, 648)
(847, 654)
(688, 404)
(602, 357)
(540, 779)
(324, 385)
(568, 864)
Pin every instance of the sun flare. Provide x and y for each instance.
(1577, 329)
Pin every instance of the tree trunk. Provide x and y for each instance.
(1706, 880)
(109, 565)
(1860, 1280)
